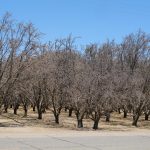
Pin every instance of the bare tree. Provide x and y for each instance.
(136, 48)
(17, 43)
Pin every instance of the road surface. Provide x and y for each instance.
(58, 139)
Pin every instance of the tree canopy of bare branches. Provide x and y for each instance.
(55, 75)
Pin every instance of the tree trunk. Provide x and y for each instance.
(16, 107)
(33, 107)
(124, 114)
(15, 110)
(70, 112)
(39, 114)
(107, 117)
(119, 111)
(0, 110)
(5, 109)
(135, 120)
(80, 123)
(95, 126)
(56, 118)
(130, 108)
(66, 109)
(44, 110)
(146, 116)
(5, 106)
(25, 112)
(79, 117)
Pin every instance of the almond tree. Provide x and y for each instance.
(100, 93)
(136, 53)
(17, 43)
(60, 74)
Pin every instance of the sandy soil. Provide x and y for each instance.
(16, 129)
(118, 126)
(63, 132)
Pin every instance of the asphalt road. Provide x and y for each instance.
(59, 141)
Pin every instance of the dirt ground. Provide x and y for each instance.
(10, 122)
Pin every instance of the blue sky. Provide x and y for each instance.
(93, 20)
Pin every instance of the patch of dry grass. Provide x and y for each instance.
(117, 122)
